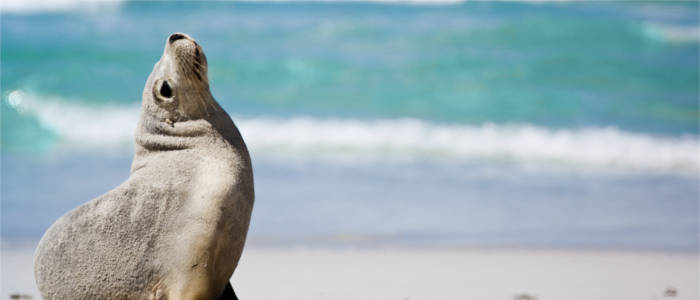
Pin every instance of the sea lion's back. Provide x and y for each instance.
(103, 248)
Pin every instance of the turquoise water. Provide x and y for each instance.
(570, 107)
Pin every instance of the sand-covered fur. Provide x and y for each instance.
(176, 227)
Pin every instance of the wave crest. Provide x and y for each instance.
(23, 6)
(393, 139)
(414, 139)
(672, 34)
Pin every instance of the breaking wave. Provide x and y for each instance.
(672, 34)
(23, 6)
(306, 138)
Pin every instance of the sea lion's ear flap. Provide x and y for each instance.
(163, 92)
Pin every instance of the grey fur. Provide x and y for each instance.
(176, 227)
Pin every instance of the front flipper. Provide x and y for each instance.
(228, 294)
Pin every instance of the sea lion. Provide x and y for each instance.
(176, 227)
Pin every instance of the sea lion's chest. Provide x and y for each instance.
(192, 184)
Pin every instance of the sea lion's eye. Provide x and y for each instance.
(165, 90)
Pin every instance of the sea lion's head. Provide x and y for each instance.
(178, 87)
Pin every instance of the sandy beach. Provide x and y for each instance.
(266, 273)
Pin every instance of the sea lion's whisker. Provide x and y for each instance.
(196, 72)
(203, 104)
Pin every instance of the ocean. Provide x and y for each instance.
(416, 124)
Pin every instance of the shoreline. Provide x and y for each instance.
(321, 244)
(430, 273)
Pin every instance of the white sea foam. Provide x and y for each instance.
(672, 33)
(394, 139)
(411, 139)
(88, 126)
(26, 6)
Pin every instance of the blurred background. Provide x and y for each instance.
(413, 124)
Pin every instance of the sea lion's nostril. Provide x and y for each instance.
(174, 37)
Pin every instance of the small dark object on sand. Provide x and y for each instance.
(524, 297)
(670, 292)
(20, 296)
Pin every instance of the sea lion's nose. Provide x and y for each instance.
(175, 36)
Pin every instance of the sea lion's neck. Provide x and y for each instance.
(167, 135)
(157, 137)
